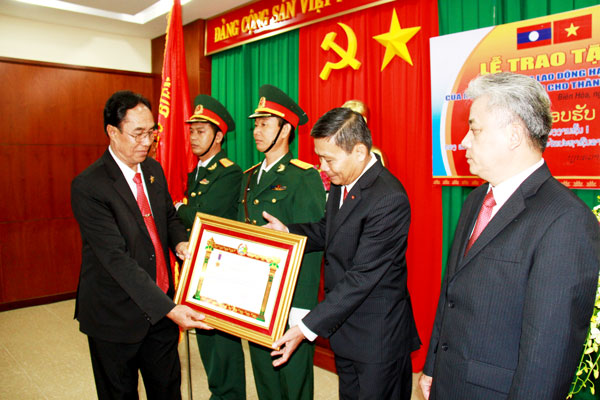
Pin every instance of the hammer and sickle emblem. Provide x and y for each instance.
(348, 55)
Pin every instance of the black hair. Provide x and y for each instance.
(118, 104)
(346, 126)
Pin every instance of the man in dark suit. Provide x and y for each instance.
(128, 223)
(366, 313)
(522, 273)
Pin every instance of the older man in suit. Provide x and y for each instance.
(366, 313)
(128, 223)
(522, 273)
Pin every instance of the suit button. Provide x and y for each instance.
(199, 193)
(326, 262)
(450, 304)
(254, 221)
(188, 229)
(445, 346)
(256, 201)
(274, 201)
(243, 201)
(193, 194)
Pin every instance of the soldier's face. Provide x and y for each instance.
(133, 139)
(265, 131)
(201, 137)
(341, 167)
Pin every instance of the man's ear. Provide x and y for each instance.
(361, 151)
(111, 130)
(219, 137)
(285, 131)
(517, 135)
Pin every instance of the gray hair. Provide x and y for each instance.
(521, 98)
(346, 126)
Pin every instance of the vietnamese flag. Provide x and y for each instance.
(383, 53)
(571, 29)
(173, 151)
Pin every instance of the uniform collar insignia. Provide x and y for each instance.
(281, 168)
(212, 167)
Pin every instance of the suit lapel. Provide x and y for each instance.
(514, 206)
(123, 189)
(352, 200)
(154, 192)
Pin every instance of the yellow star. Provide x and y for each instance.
(572, 30)
(395, 41)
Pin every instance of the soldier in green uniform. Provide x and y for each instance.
(292, 191)
(213, 189)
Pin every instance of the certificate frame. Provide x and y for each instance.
(241, 277)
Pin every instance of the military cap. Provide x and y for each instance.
(274, 103)
(207, 108)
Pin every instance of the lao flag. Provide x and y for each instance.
(571, 29)
(534, 36)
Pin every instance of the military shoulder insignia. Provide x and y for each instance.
(204, 181)
(281, 168)
(212, 167)
(278, 188)
(300, 164)
(252, 167)
(226, 162)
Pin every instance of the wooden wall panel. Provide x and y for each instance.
(52, 129)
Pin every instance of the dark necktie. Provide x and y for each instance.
(485, 214)
(162, 277)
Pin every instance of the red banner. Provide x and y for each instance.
(270, 17)
(173, 151)
(381, 57)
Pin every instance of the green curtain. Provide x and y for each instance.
(236, 76)
(462, 15)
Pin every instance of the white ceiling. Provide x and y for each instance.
(113, 16)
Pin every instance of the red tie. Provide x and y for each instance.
(345, 194)
(162, 277)
(485, 214)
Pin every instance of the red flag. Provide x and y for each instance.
(571, 29)
(173, 151)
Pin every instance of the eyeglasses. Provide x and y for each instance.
(141, 137)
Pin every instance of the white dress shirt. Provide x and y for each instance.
(129, 174)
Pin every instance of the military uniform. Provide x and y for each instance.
(214, 190)
(292, 191)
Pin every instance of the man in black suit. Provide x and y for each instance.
(519, 290)
(366, 313)
(128, 223)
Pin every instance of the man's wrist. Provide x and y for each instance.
(308, 334)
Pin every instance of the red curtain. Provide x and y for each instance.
(398, 99)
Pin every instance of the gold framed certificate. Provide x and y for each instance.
(241, 276)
